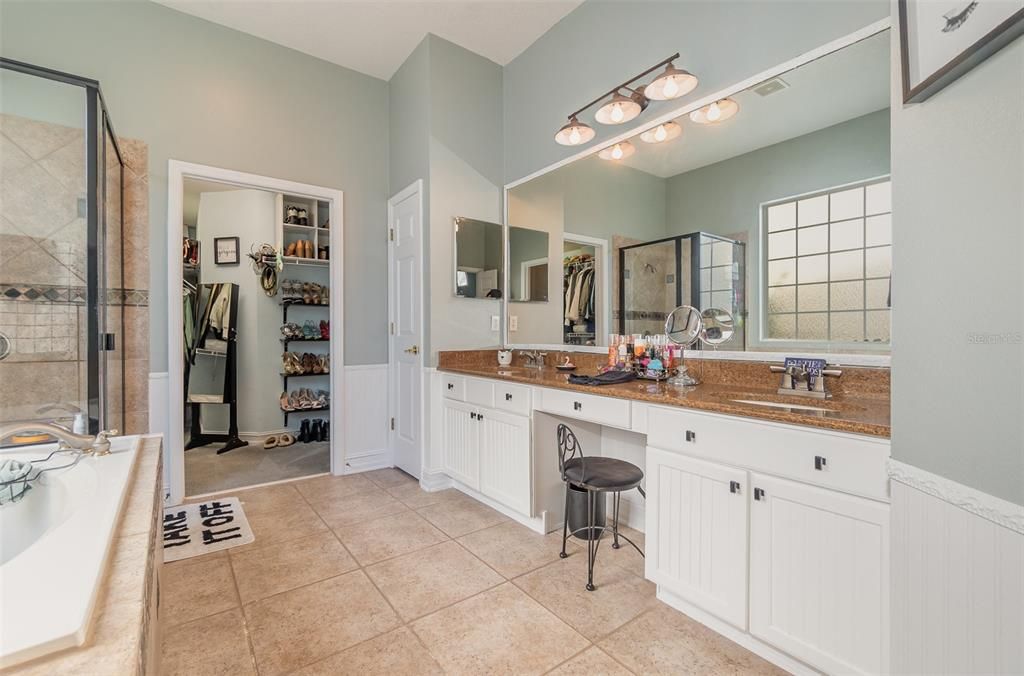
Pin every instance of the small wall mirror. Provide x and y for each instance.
(718, 326)
(478, 259)
(683, 325)
(528, 269)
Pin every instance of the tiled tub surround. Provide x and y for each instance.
(43, 269)
(860, 402)
(369, 574)
(125, 635)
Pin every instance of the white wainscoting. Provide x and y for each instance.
(957, 577)
(366, 416)
(158, 420)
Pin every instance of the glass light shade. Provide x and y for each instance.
(671, 84)
(662, 133)
(618, 110)
(574, 133)
(716, 112)
(619, 151)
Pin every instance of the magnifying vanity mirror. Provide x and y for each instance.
(776, 221)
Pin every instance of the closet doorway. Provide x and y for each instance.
(255, 346)
(586, 291)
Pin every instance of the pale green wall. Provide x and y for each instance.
(724, 198)
(196, 91)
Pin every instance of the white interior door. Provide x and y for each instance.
(405, 260)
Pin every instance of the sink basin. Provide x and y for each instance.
(791, 407)
(818, 407)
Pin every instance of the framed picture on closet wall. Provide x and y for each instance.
(225, 250)
(940, 41)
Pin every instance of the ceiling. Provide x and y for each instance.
(839, 87)
(375, 37)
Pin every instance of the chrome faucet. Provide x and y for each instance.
(67, 440)
(800, 381)
(533, 358)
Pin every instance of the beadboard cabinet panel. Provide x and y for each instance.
(505, 459)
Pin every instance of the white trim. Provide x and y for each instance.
(177, 172)
(538, 524)
(524, 277)
(414, 188)
(998, 511)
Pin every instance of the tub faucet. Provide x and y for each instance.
(68, 440)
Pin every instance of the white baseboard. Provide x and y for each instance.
(435, 481)
(538, 524)
(367, 462)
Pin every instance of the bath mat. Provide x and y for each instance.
(204, 528)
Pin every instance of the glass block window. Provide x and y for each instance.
(827, 263)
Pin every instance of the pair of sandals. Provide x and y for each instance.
(296, 216)
(295, 365)
(310, 293)
(278, 441)
(304, 399)
(308, 330)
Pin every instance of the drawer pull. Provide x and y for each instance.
(472, 415)
(734, 486)
(577, 406)
(508, 396)
(479, 416)
(691, 435)
(759, 494)
(451, 386)
(819, 462)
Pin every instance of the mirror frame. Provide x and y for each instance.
(869, 359)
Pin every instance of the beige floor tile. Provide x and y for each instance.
(191, 561)
(591, 661)
(460, 516)
(472, 637)
(191, 592)
(424, 581)
(388, 537)
(274, 526)
(664, 641)
(299, 627)
(269, 570)
(625, 556)
(396, 653)
(329, 487)
(415, 497)
(620, 596)
(513, 549)
(212, 645)
(389, 477)
(267, 498)
(351, 509)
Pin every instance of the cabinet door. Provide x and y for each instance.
(819, 572)
(697, 532)
(461, 443)
(505, 459)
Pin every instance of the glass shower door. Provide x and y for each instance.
(112, 306)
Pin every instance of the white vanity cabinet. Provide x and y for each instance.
(487, 449)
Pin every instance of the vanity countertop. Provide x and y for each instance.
(867, 414)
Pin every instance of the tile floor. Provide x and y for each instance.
(369, 574)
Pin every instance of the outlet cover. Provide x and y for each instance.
(513, 323)
(495, 323)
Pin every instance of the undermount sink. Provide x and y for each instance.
(818, 407)
(791, 407)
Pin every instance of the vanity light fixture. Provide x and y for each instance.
(628, 100)
(574, 133)
(661, 133)
(618, 151)
(713, 113)
(671, 84)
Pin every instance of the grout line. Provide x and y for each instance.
(245, 622)
(590, 644)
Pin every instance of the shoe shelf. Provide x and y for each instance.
(315, 262)
(287, 413)
(304, 340)
(303, 375)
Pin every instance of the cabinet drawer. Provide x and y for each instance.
(603, 410)
(453, 387)
(512, 398)
(829, 459)
(480, 392)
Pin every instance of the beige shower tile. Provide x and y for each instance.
(67, 164)
(38, 139)
(36, 202)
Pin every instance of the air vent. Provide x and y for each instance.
(772, 86)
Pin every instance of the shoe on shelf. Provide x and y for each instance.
(309, 331)
(291, 215)
(303, 217)
(304, 432)
(325, 329)
(286, 403)
(291, 249)
(325, 431)
(323, 398)
(324, 296)
(314, 293)
(316, 430)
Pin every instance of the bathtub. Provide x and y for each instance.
(54, 548)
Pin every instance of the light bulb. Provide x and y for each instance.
(660, 135)
(574, 136)
(714, 112)
(617, 113)
(671, 88)
(617, 152)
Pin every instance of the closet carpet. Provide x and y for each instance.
(368, 574)
(207, 472)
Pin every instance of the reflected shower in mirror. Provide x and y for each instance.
(717, 326)
(478, 259)
(776, 210)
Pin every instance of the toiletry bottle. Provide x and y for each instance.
(613, 350)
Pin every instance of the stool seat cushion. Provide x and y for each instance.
(605, 473)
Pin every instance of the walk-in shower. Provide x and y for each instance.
(61, 251)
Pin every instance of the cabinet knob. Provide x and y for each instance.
(819, 462)
(479, 416)
(472, 415)
(577, 406)
(451, 386)
(508, 396)
(734, 486)
(759, 494)
(691, 435)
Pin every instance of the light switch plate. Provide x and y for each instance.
(513, 323)
(495, 323)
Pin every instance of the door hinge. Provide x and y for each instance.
(392, 423)
(392, 328)
(391, 235)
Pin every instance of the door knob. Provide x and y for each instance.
(413, 350)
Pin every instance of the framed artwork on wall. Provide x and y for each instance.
(940, 40)
(225, 251)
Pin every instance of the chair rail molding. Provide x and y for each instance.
(1000, 512)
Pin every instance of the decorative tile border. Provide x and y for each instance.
(74, 295)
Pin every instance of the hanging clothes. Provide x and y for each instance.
(220, 312)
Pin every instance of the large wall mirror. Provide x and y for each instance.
(776, 210)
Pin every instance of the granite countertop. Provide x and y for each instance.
(867, 414)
